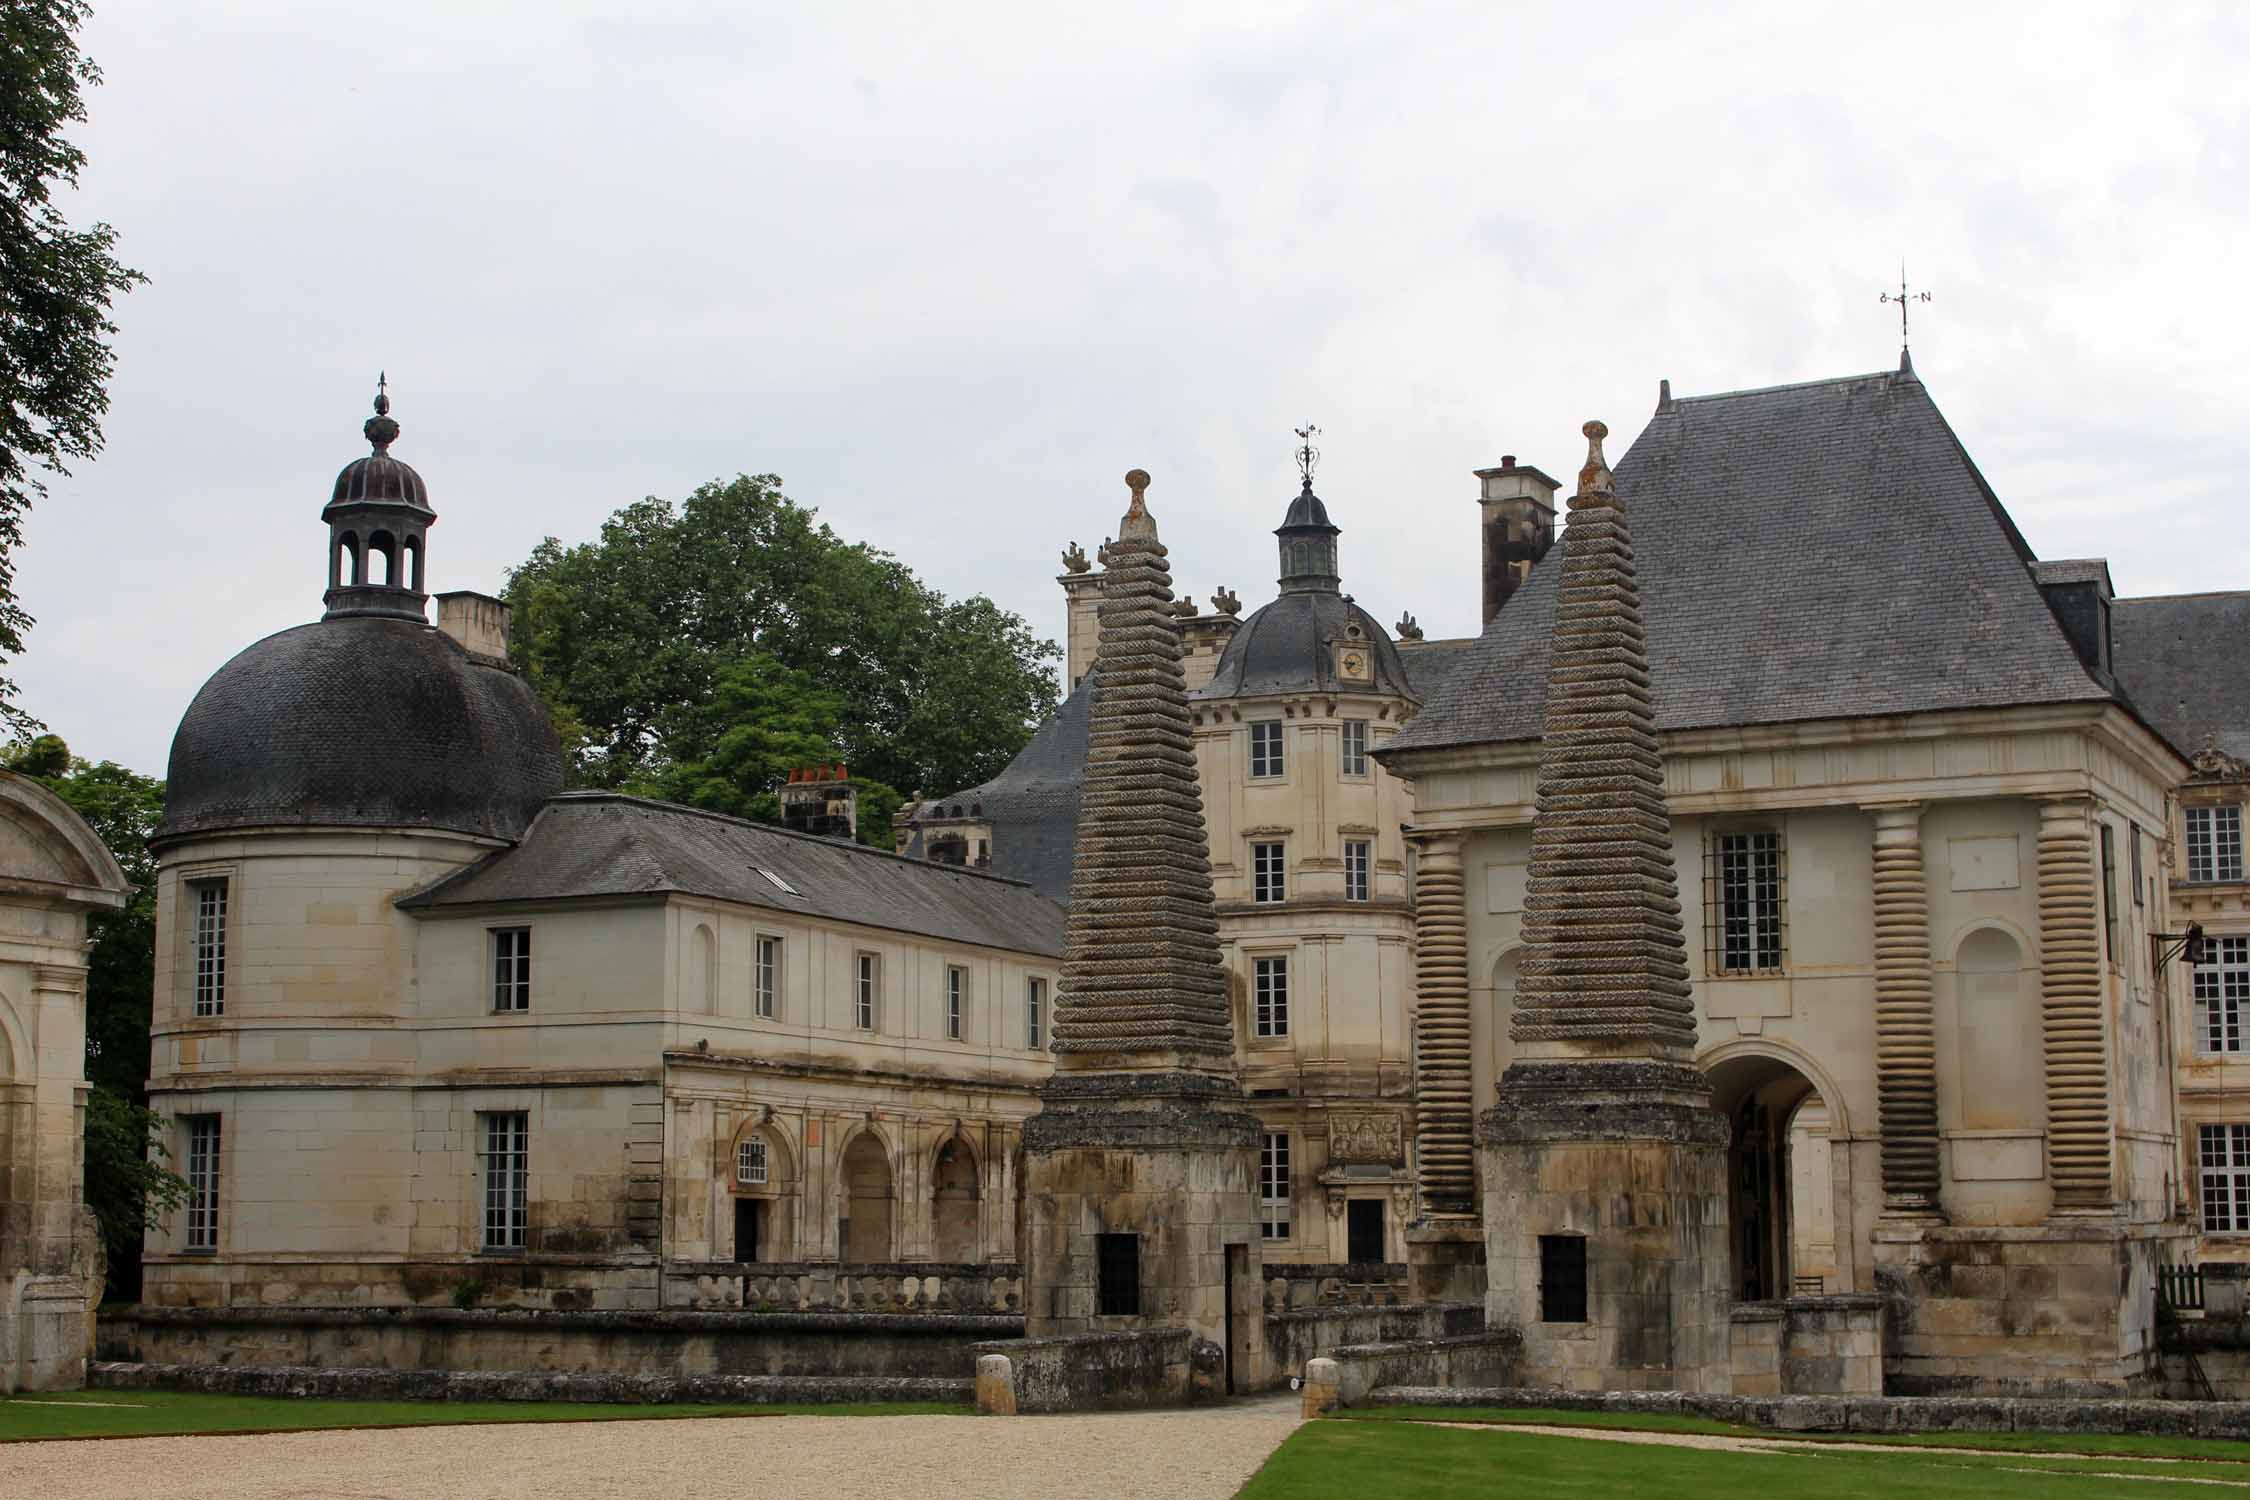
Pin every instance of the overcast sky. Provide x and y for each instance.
(952, 270)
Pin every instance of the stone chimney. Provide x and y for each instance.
(1082, 629)
(1517, 507)
(478, 621)
(822, 801)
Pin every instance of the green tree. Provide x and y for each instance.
(628, 636)
(56, 287)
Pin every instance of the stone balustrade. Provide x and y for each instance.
(905, 1287)
(1335, 1284)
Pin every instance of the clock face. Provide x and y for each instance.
(1355, 665)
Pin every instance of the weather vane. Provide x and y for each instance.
(1308, 456)
(1902, 299)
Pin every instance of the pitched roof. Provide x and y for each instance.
(1032, 806)
(2184, 659)
(603, 844)
(1813, 551)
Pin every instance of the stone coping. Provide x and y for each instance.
(2064, 1231)
(2215, 1419)
(1782, 1307)
(613, 1320)
(1082, 1340)
(520, 1385)
(1341, 1311)
(879, 1270)
(1490, 1338)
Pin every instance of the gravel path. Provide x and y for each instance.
(1176, 1455)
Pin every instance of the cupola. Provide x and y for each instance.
(1308, 538)
(378, 519)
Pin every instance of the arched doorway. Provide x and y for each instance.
(865, 1232)
(1767, 1101)
(954, 1201)
(764, 1196)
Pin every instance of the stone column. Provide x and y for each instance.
(2071, 1002)
(1905, 1030)
(1444, 1147)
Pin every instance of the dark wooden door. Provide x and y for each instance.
(1363, 1226)
(749, 1228)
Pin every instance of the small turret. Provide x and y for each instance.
(378, 519)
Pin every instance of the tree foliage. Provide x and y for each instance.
(56, 287)
(736, 610)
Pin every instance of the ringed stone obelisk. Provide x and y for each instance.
(1604, 1165)
(1141, 1165)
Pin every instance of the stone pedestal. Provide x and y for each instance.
(1173, 1160)
(1629, 1158)
(1445, 1261)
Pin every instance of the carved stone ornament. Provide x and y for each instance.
(1406, 629)
(1184, 606)
(1367, 1138)
(1074, 558)
(1226, 602)
(2213, 764)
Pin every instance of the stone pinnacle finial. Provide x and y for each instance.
(1594, 478)
(1138, 524)
(381, 431)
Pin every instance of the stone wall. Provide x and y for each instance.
(1333, 1283)
(1101, 1371)
(666, 1344)
(1299, 1334)
(1809, 1346)
(813, 1286)
(1469, 1359)
(519, 1385)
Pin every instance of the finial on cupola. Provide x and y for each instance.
(380, 429)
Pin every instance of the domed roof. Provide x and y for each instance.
(364, 722)
(378, 478)
(1307, 510)
(1289, 646)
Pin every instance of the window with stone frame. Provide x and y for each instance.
(956, 1001)
(506, 1154)
(1266, 755)
(2214, 842)
(2223, 1153)
(866, 986)
(203, 1182)
(1745, 901)
(511, 968)
(1035, 1014)
(2109, 894)
(1273, 1186)
(1269, 872)
(1352, 760)
(1269, 984)
(210, 940)
(1358, 856)
(2222, 994)
(768, 997)
(750, 1162)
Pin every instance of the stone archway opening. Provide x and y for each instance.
(1780, 1223)
(954, 1202)
(866, 1236)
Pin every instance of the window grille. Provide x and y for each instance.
(1035, 1014)
(769, 977)
(1562, 1278)
(2225, 1154)
(863, 997)
(956, 1001)
(2214, 842)
(1357, 857)
(1269, 879)
(1273, 1188)
(1355, 747)
(2222, 995)
(750, 1163)
(210, 947)
(1746, 913)
(1265, 747)
(203, 1182)
(1270, 984)
(507, 1179)
(1117, 1262)
(511, 968)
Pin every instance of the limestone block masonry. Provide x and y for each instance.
(1905, 1031)
(2070, 983)
(1444, 1116)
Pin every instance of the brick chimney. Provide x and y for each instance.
(821, 800)
(1517, 506)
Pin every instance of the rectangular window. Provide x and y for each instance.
(1273, 1188)
(750, 1163)
(1265, 747)
(1269, 879)
(769, 977)
(2133, 833)
(1035, 1014)
(511, 968)
(1355, 747)
(507, 1179)
(2109, 893)
(210, 947)
(863, 992)
(1562, 1278)
(1358, 855)
(956, 1002)
(203, 1182)
(1746, 904)
(1270, 983)
(1117, 1266)
(2214, 843)
(2222, 994)
(2225, 1153)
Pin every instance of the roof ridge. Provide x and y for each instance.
(2174, 598)
(1794, 385)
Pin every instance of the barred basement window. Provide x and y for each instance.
(511, 968)
(2222, 995)
(750, 1163)
(210, 947)
(1117, 1267)
(2214, 843)
(1358, 855)
(1269, 878)
(1743, 893)
(863, 993)
(1265, 747)
(1355, 747)
(507, 1179)
(1273, 1187)
(1270, 996)
(203, 1182)
(1562, 1278)
(769, 977)
(2225, 1154)
(956, 1001)
(1035, 1014)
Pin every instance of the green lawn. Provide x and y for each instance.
(1348, 1460)
(2125, 1445)
(92, 1414)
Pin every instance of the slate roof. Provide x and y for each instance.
(1813, 551)
(1033, 805)
(588, 844)
(2184, 659)
(1431, 664)
(1285, 647)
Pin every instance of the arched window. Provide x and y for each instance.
(349, 564)
(382, 558)
(700, 985)
(411, 575)
(2000, 1034)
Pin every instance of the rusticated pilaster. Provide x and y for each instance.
(1444, 1148)
(2070, 987)
(1905, 1032)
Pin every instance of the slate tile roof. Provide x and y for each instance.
(1813, 551)
(1033, 804)
(591, 844)
(2185, 661)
